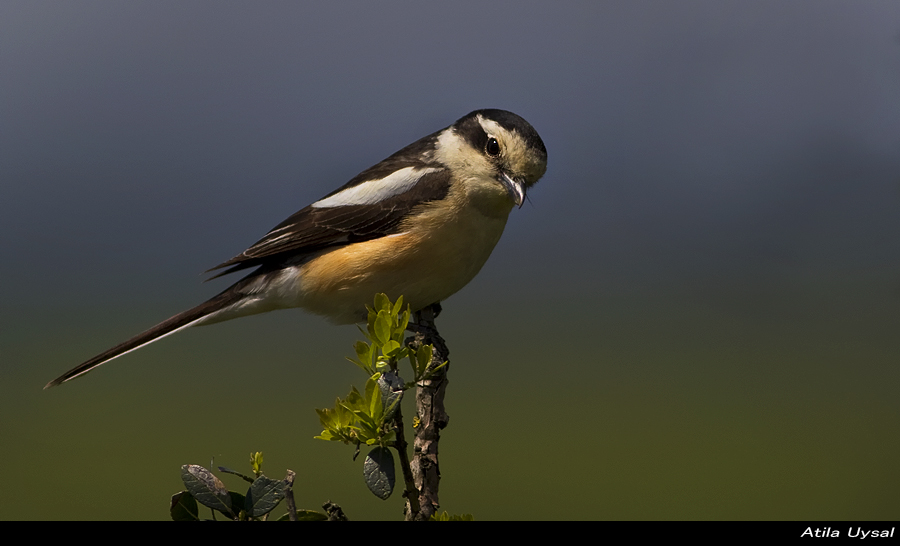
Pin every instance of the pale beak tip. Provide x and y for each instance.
(515, 189)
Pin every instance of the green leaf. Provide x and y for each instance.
(421, 361)
(184, 507)
(264, 495)
(383, 365)
(382, 303)
(383, 327)
(370, 324)
(364, 332)
(390, 346)
(378, 471)
(391, 386)
(256, 461)
(375, 407)
(438, 367)
(397, 306)
(206, 488)
(365, 355)
(366, 433)
(402, 323)
(337, 421)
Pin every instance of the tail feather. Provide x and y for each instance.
(167, 327)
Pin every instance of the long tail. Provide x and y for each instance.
(175, 324)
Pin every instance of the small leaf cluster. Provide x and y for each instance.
(360, 418)
(385, 328)
(204, 487)
(368, 417)
(364, 418)
(256, 461)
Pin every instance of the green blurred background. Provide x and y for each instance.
(695, 317)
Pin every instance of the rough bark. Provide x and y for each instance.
(431, 417)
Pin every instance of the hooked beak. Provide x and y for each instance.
(514, 188)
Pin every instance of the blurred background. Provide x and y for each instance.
(695, 316)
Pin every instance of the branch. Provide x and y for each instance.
(411, 493)
(289, 496)
(432, 417)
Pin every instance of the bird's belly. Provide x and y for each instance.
(424, 269)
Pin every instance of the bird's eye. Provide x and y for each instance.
(492, 147)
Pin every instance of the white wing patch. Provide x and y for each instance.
(375, 191)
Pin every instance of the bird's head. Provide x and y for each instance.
(494, 145)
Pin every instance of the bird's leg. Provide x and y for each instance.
(423, 321)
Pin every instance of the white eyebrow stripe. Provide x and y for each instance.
(375, 191)
(491, 127)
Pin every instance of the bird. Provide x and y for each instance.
(420, 224)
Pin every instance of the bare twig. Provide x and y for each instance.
(411, 493)
(289, 496)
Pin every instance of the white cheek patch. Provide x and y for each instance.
(451, 150)
(375, 191)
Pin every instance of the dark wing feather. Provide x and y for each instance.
(313, 229)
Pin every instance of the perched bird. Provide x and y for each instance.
(420, 224)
